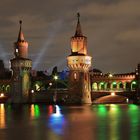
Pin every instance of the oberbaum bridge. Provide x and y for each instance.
(83, 85)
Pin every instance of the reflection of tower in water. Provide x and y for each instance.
(56, 120)
(34, 111)
(2, 116)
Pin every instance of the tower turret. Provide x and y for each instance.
(21, 67)
(21, 46)
(79, 63)
(78, 41)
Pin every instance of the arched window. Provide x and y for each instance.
(133, 85)
(108, 86)
(101, 86)
(94, 86)
(3, 87)
(114, 85)
(120, 85)
(7, 88)
(126, 85)
(75, 76)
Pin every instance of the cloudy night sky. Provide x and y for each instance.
(112, 28)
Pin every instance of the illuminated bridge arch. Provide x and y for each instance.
(127, 86)
(114, 85)
(3, 88)
(102, 86)
(120, 86)
(95, 86)
(133, 85)
(7, 88)
(108, 85)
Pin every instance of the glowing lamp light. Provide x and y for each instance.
(16, 50)
(134, 82)
(112, 93)
(1, 95)
(32, 91)
(127, 100)
(110, 75)
(55, 77)
(50, 84)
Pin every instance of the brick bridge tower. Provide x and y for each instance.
(79, 63)
(21, 67)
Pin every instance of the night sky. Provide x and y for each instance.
(112, 28)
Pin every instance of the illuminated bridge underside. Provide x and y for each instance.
(111, 99)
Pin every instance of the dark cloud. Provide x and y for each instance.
(112, 28)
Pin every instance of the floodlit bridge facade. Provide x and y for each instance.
(118, 82)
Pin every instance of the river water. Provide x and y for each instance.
(53, 122)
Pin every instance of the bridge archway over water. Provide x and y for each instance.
(111, 99)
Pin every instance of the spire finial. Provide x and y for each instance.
(78, 16)
(20, 22)
(78, 28)
(20, 36)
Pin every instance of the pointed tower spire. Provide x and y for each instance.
(20, 35)
(78, 28)
(21, 46)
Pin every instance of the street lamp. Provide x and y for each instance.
(50, 84)
(2, 95)
(112, 93)
(110, 75)
(55, 77)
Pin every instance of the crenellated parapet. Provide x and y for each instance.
(107, 77)
(81, 63)
(115, 82)
(25, 64)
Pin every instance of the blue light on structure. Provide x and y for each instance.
(64, 74)
(57, 121)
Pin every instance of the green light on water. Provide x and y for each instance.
(133, 107)
(134, 115)
(37, 111)
(9, 107)
(102, 111)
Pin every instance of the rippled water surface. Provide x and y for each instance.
(95, 122)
